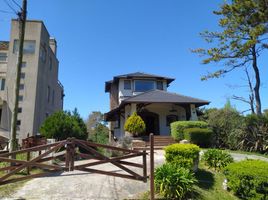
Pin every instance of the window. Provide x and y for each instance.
(127, 84)
(23, 64)
(2, 83)
(18, 122)
(21, 87)
(50, 63)
(43, 54)
(22, 75)
(48, 93)
(159, 85)
(170, 119)
(20, 98)
(3, 57)
(19, 110)
(28, 46)
(144, 85)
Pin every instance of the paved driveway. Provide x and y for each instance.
(82, 185)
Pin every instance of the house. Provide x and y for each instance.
(40, 92)
(147, 95)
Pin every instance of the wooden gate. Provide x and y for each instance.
(66, 152)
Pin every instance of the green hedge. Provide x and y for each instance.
(177, 128)
(184, 155)
(248, 179)
(200, 136)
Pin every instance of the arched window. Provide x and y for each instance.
(170, 119)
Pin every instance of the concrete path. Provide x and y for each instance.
(79, 185)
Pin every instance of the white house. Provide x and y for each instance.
(147, 95)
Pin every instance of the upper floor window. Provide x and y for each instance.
(28, 46)
(2, 83)
(23, 64)
(50, 63)
(144, 85)
(3, 57)
(127, 84)
(159, 85)
(43, 53)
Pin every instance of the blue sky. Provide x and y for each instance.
(99, 39)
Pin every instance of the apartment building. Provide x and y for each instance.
(40, 92)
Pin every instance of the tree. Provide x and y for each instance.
(244, 24)
(64, 124)
(100, 134)
(94, 118)
(134, 124)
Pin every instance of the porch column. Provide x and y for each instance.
(133, 108)
(193, 113)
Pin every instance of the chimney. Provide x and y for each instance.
(53, 45)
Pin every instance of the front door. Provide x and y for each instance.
(151, 121)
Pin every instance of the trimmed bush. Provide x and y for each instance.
(185, 155)
(200, 136)
(248, 179)
(217, 159)
(174, 182)
(135, 125)
(177, 128)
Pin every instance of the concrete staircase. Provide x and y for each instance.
(159, 142)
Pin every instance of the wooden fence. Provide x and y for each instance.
(67, 152)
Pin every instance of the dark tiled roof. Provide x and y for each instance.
(136, 75)
(157, 96)
(160, 96)
(4, 45)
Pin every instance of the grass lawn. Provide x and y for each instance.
(210, 185)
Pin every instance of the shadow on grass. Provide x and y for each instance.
(206, 179)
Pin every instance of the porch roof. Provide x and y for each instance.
(157, 96)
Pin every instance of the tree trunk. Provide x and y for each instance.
(258, 81)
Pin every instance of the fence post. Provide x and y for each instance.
(28, 159)
(67, 156)
(152, 166)
(144, 166)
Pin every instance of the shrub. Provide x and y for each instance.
(185, 155)
(64, 124)
(177, 128)
(199, 136)
(224, 123)
(134, 124)
(248, 179)
(217, 159)
(173, 182)
(253, 135)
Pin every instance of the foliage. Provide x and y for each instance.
(64, 124)
(94, 118)
(239, 44)
(134, 124)
(224, 123)
(217, 159)
(177, 128)
(248, 179)
(253, 135)
(200, 136)
(184, 155)
(174, 182)
(100, 135)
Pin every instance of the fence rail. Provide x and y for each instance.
(67, 150)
